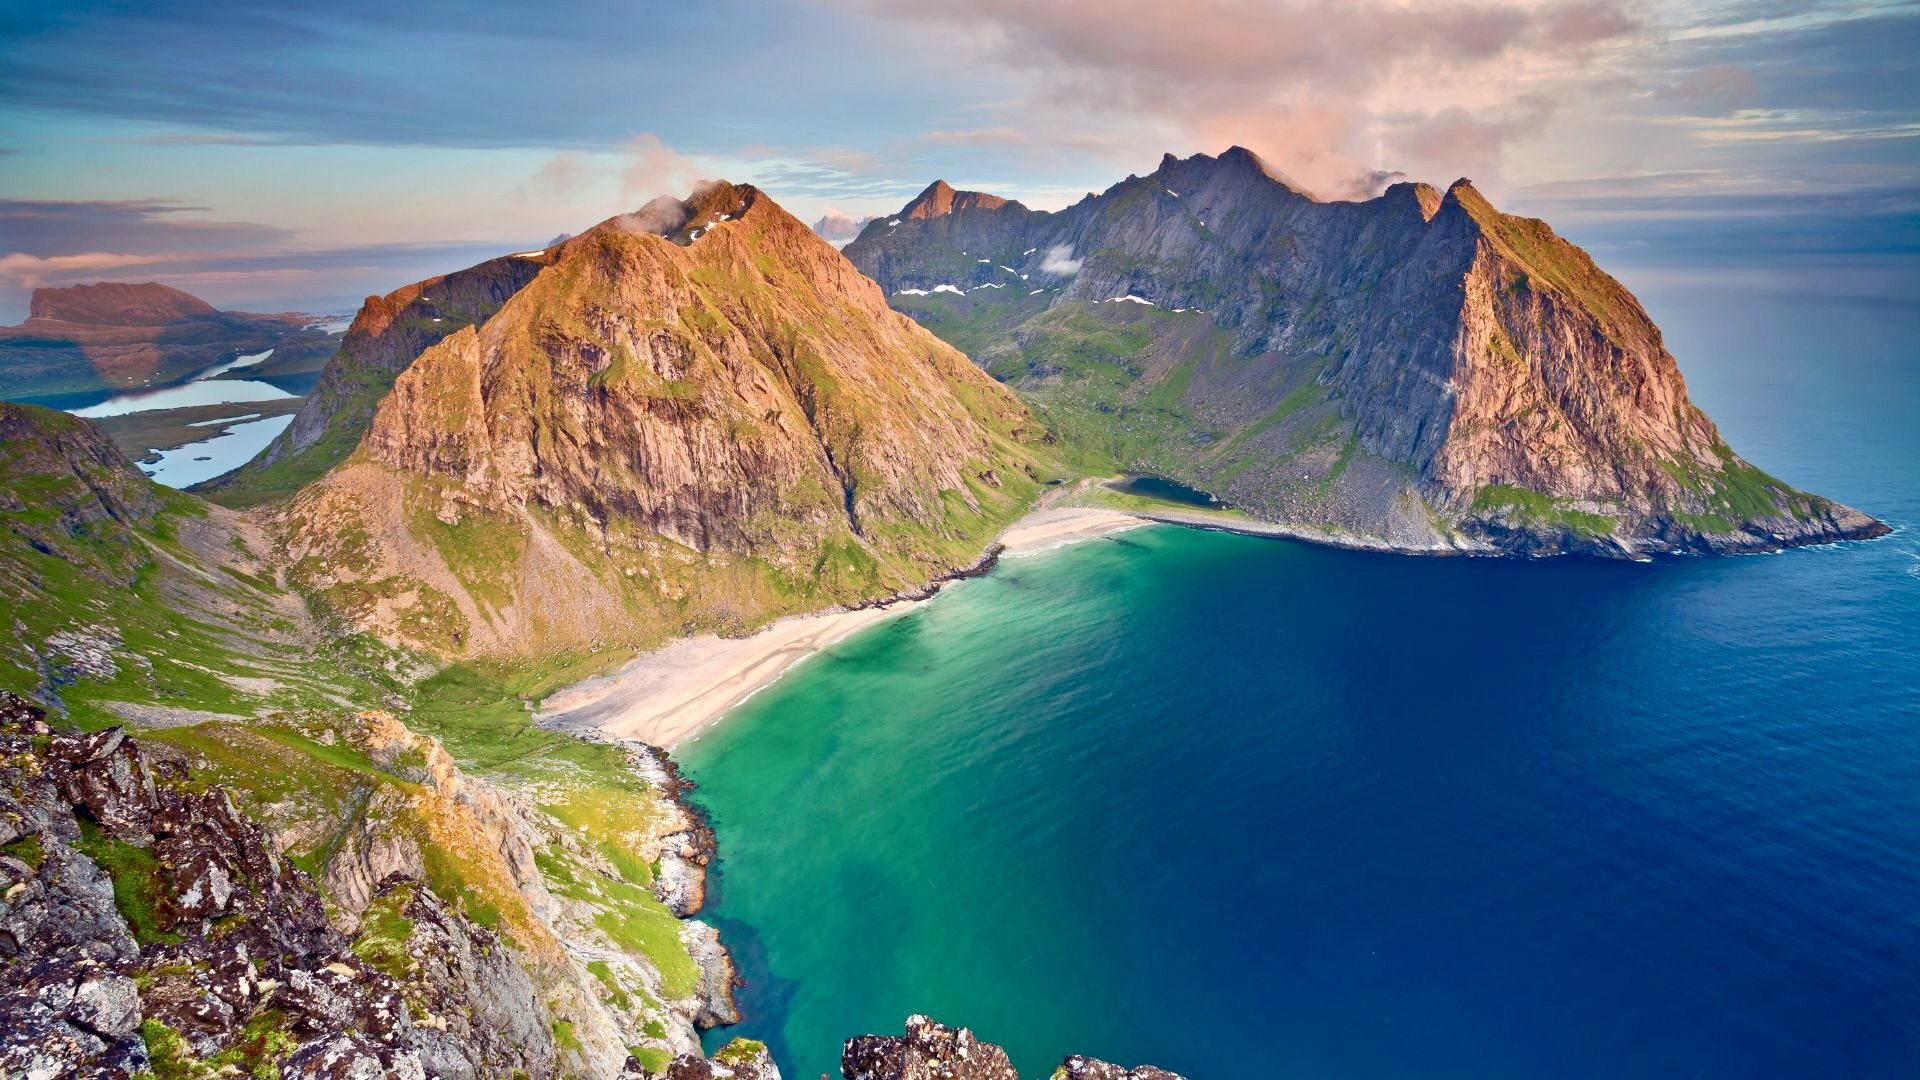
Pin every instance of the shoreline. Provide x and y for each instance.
(673, 693)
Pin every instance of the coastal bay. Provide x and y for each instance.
(670, 695)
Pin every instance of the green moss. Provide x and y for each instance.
(651, 1058)
(167, 1052)
(618, 995)
(385, 932)
(263, 1043)
(1539, 509)
(139, 889)
(563, 1036)
(740, 1051)
(27, 849)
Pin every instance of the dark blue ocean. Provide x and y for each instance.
(1249, 808)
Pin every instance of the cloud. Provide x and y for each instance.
(1059, 261)
(566, 174)
(133, 226)
(1319, 87)
(31, 271)
(654, 168)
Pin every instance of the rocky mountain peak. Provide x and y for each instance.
(941, 199)
(1425, 197)
(724, 414)
(836, 227)
(682, 220)
(1235, 166)
(1419, 369)
(116, 303)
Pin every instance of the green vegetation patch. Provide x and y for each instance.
(741, 1051)
(385, 932)
(1539, 509)
(140, 890)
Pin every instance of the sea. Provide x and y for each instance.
(1244, 807)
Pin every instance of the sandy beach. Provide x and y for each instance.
(671, 694)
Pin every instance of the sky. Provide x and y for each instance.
(299, 157)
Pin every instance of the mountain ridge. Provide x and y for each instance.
(1417, 370)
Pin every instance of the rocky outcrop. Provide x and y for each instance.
(114, 303)
(118, 336)
(931, 1050)
(144, 919)
(1418, 370)
(694, 416)
(88, 501)
(1083, 1068)
(741, 1059)
(145, 923)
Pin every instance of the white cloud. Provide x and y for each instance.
(1059, 261)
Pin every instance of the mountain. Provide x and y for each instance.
(1417, 371)
(694, 416)
(116, 336)
(386, 335)
(837, 228)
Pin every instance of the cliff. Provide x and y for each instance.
(428, 924)
(118, 336)
(387, 334)
(1418, 371)
(695, 416)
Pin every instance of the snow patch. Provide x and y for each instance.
(913, 292)
(1129, 298)
(529, 254)
(1173, 193)
(954, 289)
(1029, 251)
(977, 288)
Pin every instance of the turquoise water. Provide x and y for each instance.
(1178, 797)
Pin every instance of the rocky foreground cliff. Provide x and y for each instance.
(439, 927)
(693, 417)
(1417, 371)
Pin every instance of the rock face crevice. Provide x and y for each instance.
(1418, 369)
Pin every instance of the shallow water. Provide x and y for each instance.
(184, 466)
(1180, 797)
(203, 390)
(181, 467)
(1159, 487)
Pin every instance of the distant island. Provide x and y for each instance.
(124, 336)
